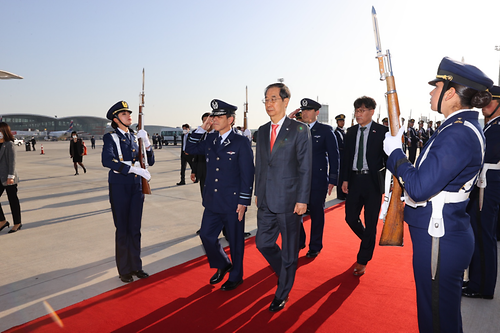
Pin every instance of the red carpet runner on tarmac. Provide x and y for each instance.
(326, 297)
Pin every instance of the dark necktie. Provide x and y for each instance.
(219, 142)
(359, 163)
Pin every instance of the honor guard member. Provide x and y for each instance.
(385, 122)
(120, 154)
(483, 209)
(437, 190)
(227, 192)
(412, 139)
(430, 130)
(325, 169)
(339, 135)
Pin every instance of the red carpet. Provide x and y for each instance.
(326, 297)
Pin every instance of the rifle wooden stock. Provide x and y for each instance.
(392, 232)
(146, 189)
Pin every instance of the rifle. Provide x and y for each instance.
(146, 189)
(392, 233)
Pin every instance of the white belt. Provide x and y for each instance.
(481, 183)
(136, 164)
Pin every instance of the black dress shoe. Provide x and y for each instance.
(277, 304)
(468, 293)
(247, 234)
(6, 224)
(126, 278)
(198, 231)
(230, 285)
(220, 274)
(140, 274)
(302, 247)
(312, 254)
(15, 230)
(181, 183)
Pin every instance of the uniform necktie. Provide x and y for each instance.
(219, 142)
(273, 135)
(359, 163)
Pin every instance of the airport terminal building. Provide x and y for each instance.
(40, 125)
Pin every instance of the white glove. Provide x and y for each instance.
(391, 143)
(142, 134)
(141, 172)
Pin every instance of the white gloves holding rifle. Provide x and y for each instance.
(142, 134)
(391, 143)
(141, 172)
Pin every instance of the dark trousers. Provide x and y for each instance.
(211, 226)
(185, 159)
(363, 193)
(412, 153)
(15, 207)
(316, 208)
(282, 260)
(483, 266)
(455, 251)
(126, 205)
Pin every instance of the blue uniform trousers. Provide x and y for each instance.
(282, 260)
(126, 205)
(483, 266)
(211, 226)
(316, 208)
(455, 251)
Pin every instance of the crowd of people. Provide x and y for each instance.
(451, 187)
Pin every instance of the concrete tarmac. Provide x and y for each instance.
(65, 251)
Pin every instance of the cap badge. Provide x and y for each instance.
(124, 104)
(304, 102)
(215, 105)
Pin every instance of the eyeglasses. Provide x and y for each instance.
(270, 100)
(361, 110)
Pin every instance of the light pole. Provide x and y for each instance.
(497, 48)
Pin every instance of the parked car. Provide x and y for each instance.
(18, 142)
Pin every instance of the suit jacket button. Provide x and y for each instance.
(215, 190)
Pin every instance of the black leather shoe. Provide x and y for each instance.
(247, 234)
(230, 285)
(126, 278)
(15, 230)
(140, 274)
(277, 304)
(302, 247)
(181, 183)
(312, 254)
(198, 231)
(468, 293)
(6, 224)
(220, 274)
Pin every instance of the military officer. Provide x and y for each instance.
(227, 192)
(484, 216)
(339, 135)
(325, 169)
(437, 190)
(120, 155)
(385, 122)
(412, 139)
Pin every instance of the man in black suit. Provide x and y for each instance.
(185, 157)
(282, 186)
(413, 140)
(340, 134)
(199, 164)
(362, 176)
(325, 168)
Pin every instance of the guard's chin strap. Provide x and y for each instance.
(498, 106)
(445, 87)
(130, 130)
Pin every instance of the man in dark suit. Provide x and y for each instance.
(361, 174)
(199, 164)
(325, 168)
(340, 134)
(413, 140)
(227, 192)
(185, 157)
(282, 187)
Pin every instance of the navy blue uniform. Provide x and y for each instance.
(483, 266)
(228, 183)
(451, 158)
(325, 168)
(126, 198)
(339, 134)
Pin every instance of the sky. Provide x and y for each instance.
(80, 57)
